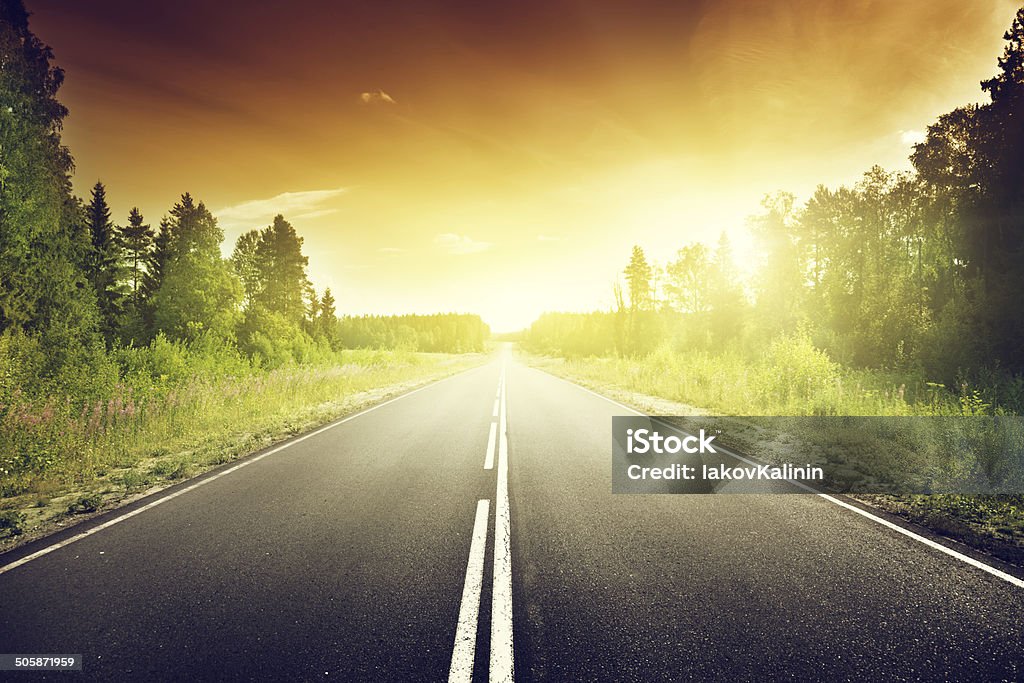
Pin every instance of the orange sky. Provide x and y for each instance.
(501, 158)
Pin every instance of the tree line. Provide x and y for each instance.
(452, 332)
(920, 270)
(75, 285)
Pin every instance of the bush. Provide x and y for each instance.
(794, 371)
(272, 341)
(88, 503)
(163, 360)
(12, 522)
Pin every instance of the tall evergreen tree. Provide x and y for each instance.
(193, 229)
(137, 241)
(137, 238)
(1002, 219)
(272, 268)
(104, 262)
(638, 275)
(327, 317)
(328, 311)
(199, 292)
(283, 265)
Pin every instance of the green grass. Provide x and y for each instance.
(790, 378)
(60, 460)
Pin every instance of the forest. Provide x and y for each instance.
(121, 340)
(911, 280)
(897, 295)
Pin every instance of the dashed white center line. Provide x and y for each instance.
(501, 653)
(489, 460)
(463, 656)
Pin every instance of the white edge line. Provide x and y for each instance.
(489, 460)
(250, 460)
(966, 559)
(502, 660)
(464, 651)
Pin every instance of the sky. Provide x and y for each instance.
(501, 158)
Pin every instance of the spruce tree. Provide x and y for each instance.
(638, 275)
(199, 294)
(104, 264)
(137, 238)
(327, 317)
(283, 269)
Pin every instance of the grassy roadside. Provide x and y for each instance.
(116, 452)
(993, 524)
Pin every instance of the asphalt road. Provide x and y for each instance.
(363, 552)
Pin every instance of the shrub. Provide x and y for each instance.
(12, 522)
(84, 504)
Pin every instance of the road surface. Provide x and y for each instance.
(467, 529)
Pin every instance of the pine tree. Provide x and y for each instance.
(283, 269)
(137, 242)
(327, 317)
(638, 275)
(198, 293)
(103, 264)
(1001, 221)
(194, 228)
(272, 268)
(137, 238)
(1008, 84)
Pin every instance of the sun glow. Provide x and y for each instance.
(507, 174)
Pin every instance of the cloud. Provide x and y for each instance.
(912, 137)
(460, 244)
(293, 205)
(549, 238)
(376, 97)
(391, 250)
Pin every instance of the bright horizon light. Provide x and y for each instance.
(506, 175)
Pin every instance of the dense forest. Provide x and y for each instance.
(104, 322)
(917, 273)
(76, 286)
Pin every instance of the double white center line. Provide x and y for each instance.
(463, 655)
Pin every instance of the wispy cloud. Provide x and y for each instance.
(460, 244)
(376, 97)
(391, 250)
(549, 238)
(912, 137)
(293, 205)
